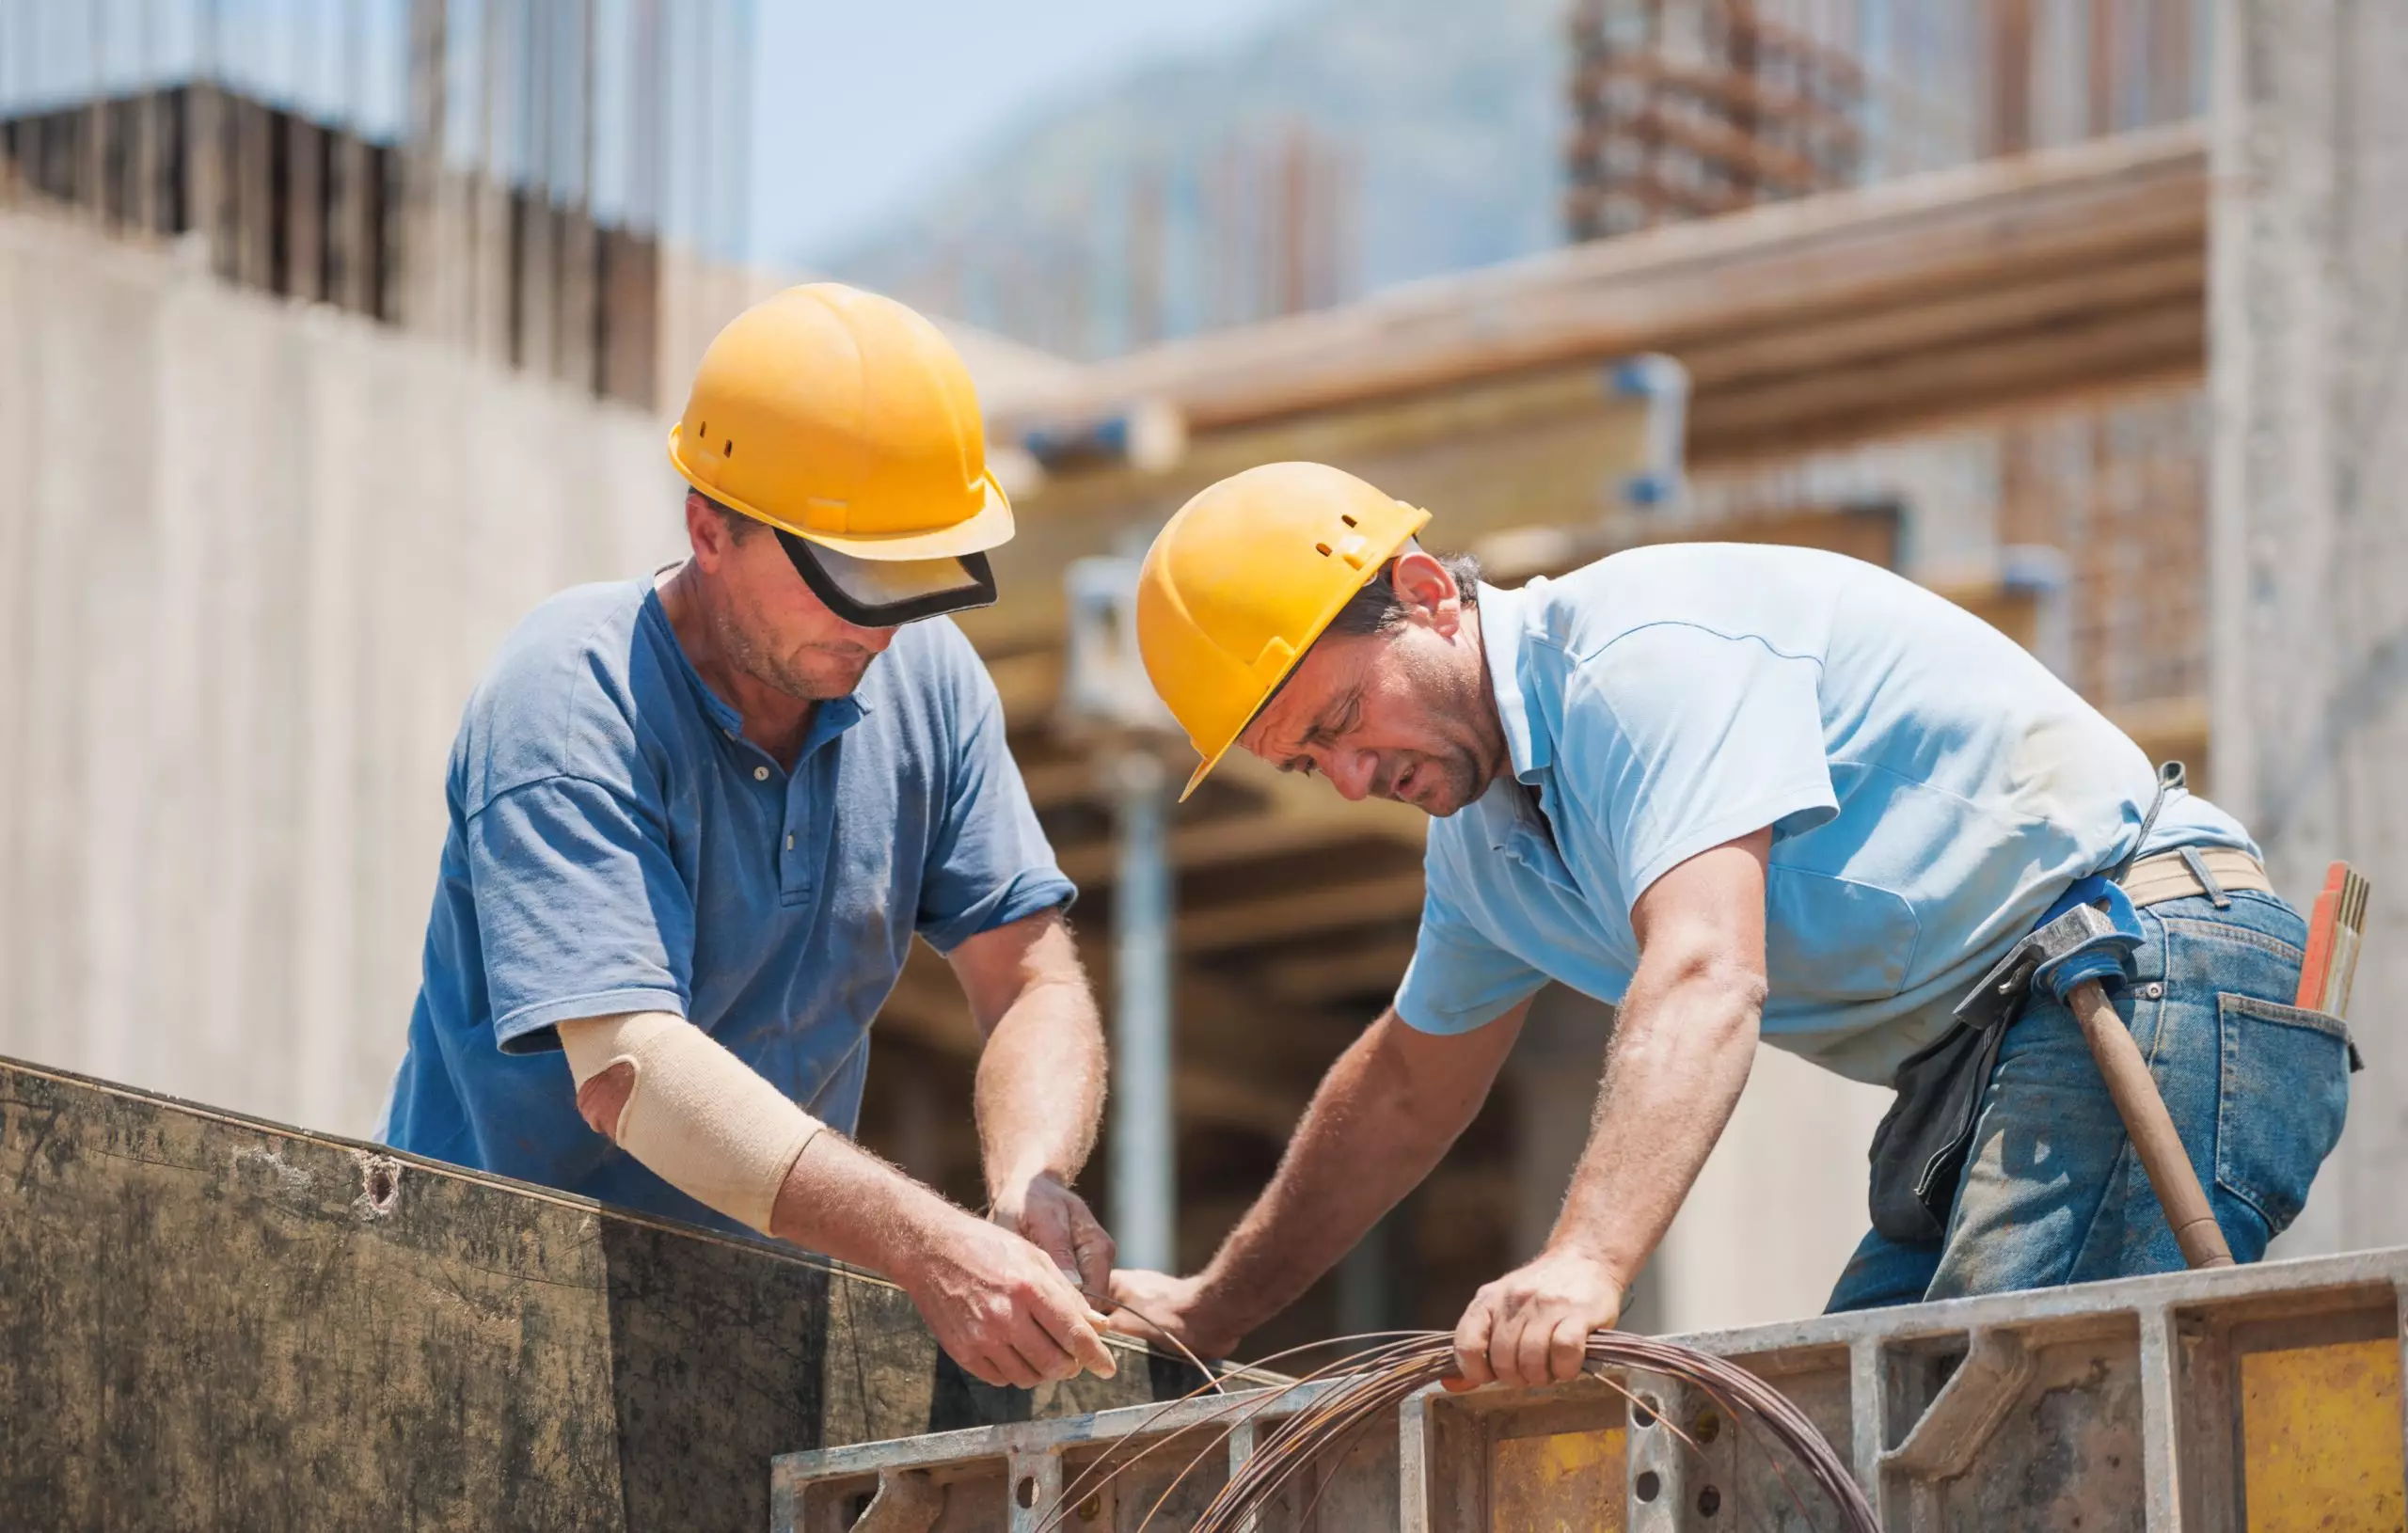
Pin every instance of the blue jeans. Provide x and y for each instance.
(2053, 1192)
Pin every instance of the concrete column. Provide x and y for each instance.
(2308, 540)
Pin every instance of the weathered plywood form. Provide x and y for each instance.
(2258, 1398)
(208, 1321)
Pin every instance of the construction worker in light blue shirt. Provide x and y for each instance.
(698, 819)
(1737, 792)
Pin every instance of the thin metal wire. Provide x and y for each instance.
(1376, 1381)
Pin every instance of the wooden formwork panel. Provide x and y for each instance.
(211, 1321)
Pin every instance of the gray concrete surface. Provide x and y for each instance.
(2310, 522)
(252, 558)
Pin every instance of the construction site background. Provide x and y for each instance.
(306, 395)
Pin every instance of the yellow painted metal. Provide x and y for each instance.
(2321, 1439)
(1565, 1482)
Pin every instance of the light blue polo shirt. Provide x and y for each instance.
(617, 846)
(1932, 788)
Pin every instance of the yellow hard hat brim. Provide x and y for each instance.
(1204, 770)
(990, 528)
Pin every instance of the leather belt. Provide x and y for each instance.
(2215, 871)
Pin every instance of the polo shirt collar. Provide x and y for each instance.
(1504, 635)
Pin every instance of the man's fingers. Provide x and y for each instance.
(1021, 1369)
(1568, 1350)
(980, 1366)
(1066, 1329)
(1043, 1226)
(1129, 1323)
(1568, 1355)
(1471, 1344)
(1534, 1347)
(1092, 1251)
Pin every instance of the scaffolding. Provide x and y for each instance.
(1688, 109)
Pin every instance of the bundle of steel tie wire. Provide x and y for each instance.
(1368, 1385)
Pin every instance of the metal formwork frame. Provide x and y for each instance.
(2264, 1397)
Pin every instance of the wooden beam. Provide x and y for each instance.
(1029, 682)
(1325, 908)
(1335, 976)
(2137, 350)
(2170, 729)
(928, 1007)
(1218, 843)
(1973, 229)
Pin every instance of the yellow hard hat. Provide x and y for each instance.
(1242, 580)
(848, 423)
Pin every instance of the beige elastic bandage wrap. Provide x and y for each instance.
(696, 1116)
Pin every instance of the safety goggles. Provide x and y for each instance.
(885, 593)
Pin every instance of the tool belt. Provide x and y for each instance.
(1919, 1151)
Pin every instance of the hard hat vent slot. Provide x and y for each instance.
(1322, 548)
(1348, 520)
(703, 430)
(727, 449)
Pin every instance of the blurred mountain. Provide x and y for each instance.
(1359, 144)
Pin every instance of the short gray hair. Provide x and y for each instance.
(1374, 607)
(739, 526)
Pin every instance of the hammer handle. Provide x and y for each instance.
(2150, 1126)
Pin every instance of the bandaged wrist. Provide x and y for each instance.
(696, 1116)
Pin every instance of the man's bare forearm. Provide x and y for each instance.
(1372, 1132)
(844, 1201)
(1683, 1044)
(1040, 1086)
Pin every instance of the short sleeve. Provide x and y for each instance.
(989, 862)
(1458, 979)
(580, 910)
(1676, 740)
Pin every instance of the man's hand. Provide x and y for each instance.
(1159, 1307)
(998, 1304)
(1057, 1222)
(1532, 1326)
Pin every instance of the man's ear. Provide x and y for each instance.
(706, 530)
(1428, 592)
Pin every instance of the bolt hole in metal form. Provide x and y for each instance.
(2259, 1400)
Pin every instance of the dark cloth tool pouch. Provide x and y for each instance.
(1919, 1151)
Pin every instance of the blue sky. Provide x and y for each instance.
(860, 107)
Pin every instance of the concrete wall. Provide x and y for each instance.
(2309, 525)
(252, 558)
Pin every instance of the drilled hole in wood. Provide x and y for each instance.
(1709, 1501)
(1642, 1415)
(1647, 1485)
(1025, 1493)
(1706, 1428)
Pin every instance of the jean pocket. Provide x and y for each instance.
(2280, 1101)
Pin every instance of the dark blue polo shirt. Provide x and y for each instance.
(617, 845)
